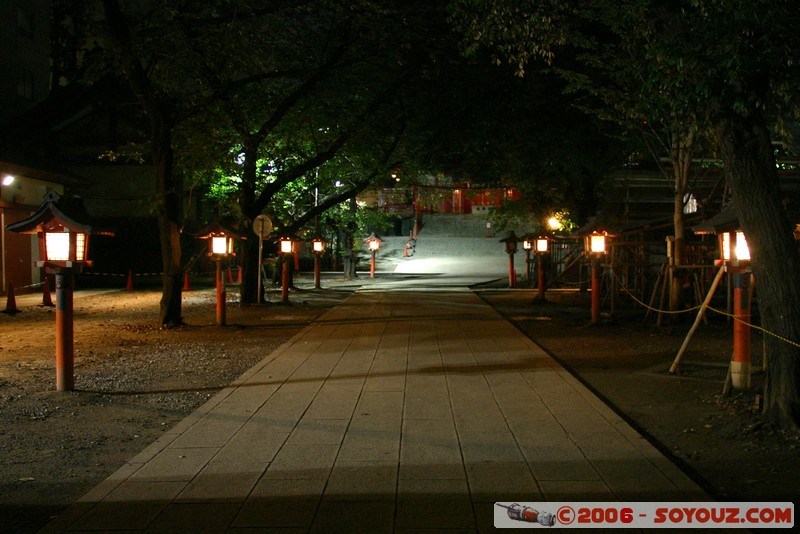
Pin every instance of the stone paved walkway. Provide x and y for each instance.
(395, 411)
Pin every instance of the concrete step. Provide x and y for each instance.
(453, 225)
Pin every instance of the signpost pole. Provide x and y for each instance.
(262, 226)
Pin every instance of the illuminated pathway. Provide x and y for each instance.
(397, 409)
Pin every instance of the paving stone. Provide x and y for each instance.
(299, 461)
(502, 482)
(494, 447)
(175, 464)
(397, 411)
(207, 517)
(354, 516)
(434, 504)
(318, 431)
(281, 503)
(362, 481)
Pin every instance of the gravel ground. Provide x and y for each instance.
(133, 381)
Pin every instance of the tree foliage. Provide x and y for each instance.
(727, 65)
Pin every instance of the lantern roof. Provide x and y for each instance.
(512, 237)
(217, 229)
(58, 211)
(596, 226)
(373, 237)
(725, 221)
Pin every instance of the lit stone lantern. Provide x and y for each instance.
(286, 244)
(734, 258)
(318, 248)
(374, 245)
(541, 247)
(511, 248)
(220, 247)
(595, 245)
(733, 247)
(63, 231)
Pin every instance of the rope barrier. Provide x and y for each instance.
(725, 313)
(37, 284)
(760, 328)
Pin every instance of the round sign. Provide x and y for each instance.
(262, 225)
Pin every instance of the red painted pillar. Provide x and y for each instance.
(595, 291)
(65, 354)
(47, 299)
(221, 296)
(740, 364)
(317, 271)
(284, 278)
(540, 281)
(372, 266)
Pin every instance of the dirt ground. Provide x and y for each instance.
(134, 381)
(721, 441)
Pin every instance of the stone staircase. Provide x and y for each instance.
(458, 244)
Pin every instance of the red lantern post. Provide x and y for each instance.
(220, 247)
(736, 256)
(286, 245)
(63, 251)
(511, 249)
(542, 247)
(318, 248)
(374, 244)
(595, 245)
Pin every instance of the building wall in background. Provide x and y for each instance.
(24, 55)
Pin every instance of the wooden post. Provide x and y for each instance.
(740, 360)
(700, 313)
(317, 271)
(540, 281)
(221, 296)
(595, 291)
(284, 278)
(65, 354)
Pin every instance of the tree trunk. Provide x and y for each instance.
(682, 145)
(746, 149)
(170, 211)
(169, 184)
(349, 256)
(248, 248)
